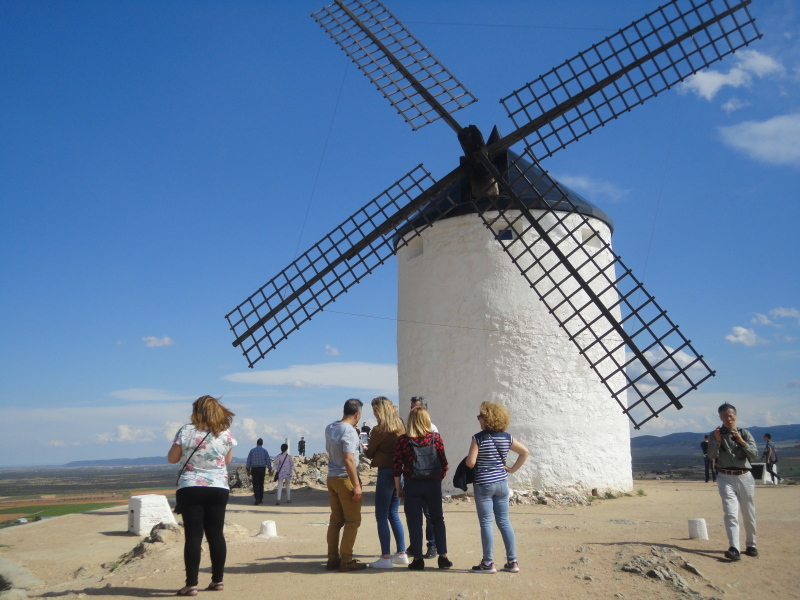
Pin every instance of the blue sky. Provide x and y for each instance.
(159, 161)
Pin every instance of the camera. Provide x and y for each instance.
(724, 430)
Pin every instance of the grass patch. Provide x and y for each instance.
(609, 496)
(54, 510)
(641, 493)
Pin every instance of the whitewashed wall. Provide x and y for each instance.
(471, 329)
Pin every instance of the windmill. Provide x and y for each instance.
(588, 332)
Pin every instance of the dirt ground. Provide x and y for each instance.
(564, 552)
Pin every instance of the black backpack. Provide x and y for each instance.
(426, 463)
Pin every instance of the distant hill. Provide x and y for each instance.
(690, 442)
(643, 445)
(129, 462)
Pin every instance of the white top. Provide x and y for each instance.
(207, 466)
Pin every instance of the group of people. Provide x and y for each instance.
(259, 463)
(770, 456)
(411, 462)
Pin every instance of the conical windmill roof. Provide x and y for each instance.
(459, 193)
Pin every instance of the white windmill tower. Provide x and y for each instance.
(577, 329)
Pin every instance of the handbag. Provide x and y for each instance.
(465, 475)
(177, 504)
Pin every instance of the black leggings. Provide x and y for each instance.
(203, 510)
(770, 466)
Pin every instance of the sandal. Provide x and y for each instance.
(189, 590)
(215, 587)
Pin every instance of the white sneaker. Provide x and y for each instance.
(381, 563)
(400, 558)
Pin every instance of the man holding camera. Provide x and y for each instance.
(733, 450)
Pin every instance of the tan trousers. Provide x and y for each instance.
(345, 513)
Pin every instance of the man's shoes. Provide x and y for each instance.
(482, 567)
(431, 553)
(353, 565)
(417, 564)
(444, 562)
(732, 554)
(333, 564)
(400, 558)
(751, 551)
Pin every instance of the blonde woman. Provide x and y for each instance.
(206, 447)
(381, 449)
(423, 483)
(487, 453)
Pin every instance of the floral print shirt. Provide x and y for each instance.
(207, 466)
(283, 465)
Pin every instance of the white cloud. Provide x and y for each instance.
(785, 313)
(748, 63)
(760, 319)
(171, 428)
(354, 375)
(742, 335)
(149, 395)
(331, 351)
(126, 433)
(774, 141)
(594, 189)
(57, 443)
(734, 104)
(154, 342)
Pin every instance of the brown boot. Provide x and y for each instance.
(333, 564)
(353, 565)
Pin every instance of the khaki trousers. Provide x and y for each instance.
(345, 514)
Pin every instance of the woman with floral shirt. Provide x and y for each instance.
(205, 446)
(284, 467)
(427, 488)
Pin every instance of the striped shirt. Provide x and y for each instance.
(492, 451)
(258, 457)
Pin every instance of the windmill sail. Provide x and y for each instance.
(404, 71)
(594, 297)
(624, 70)
(333, 265)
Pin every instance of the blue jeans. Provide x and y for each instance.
(493, 498)
(386, 512)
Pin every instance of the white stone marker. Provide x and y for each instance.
(268, 530)
(146, 511)
(697, 529)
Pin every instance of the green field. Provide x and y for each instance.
(53, 510)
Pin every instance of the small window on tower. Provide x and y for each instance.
(590, 238)
(506, 234)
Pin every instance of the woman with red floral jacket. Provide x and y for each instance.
(423, 483)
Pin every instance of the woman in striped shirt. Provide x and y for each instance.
(487, 453)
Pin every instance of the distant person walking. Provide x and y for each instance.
(707, 461)
(733, 450)
(421, 461)
(344, 488)
(258, 462)
(301, 447)
(206, 447)
(381, 449)
(770, 455)
(284, 467)
(487, 453)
